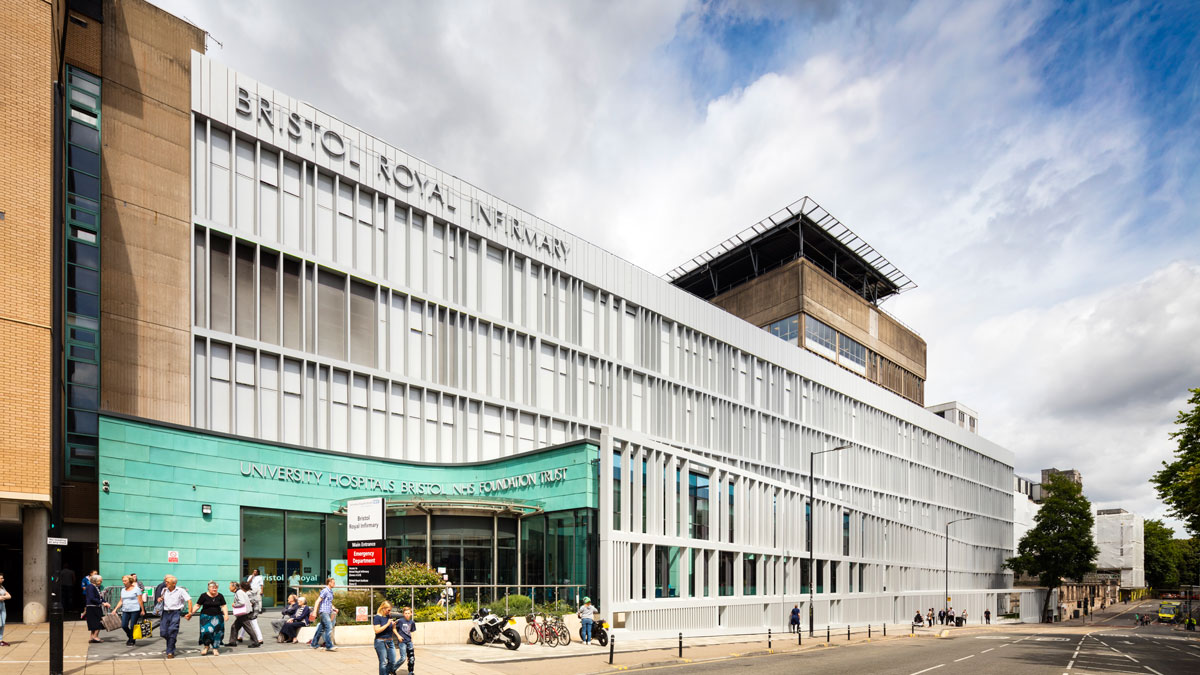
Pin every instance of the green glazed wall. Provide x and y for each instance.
(160, 476)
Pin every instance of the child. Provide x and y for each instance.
(404, 630)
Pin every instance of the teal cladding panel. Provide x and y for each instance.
(159, 477)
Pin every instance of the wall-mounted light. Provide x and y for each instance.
(206, 509)
(105, 487)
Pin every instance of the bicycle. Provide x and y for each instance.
(542, 632)
(560, 629)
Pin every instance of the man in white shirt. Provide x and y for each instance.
(175, 599)
(255, 579)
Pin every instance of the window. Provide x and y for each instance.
(805, 577)
(725, 573)
(268, 296)
(331, 315)
(833, 570)
(846, 533)
(616, 522)
(220, 300)
(820, 336)
(749, 574)
(808, 526)
(732, 512)
(246, 301)
(820, 576)
(698, 505)
(787, 329)
(851, 353)
(362, 323)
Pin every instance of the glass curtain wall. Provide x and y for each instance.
(560, 548)
(282, 543)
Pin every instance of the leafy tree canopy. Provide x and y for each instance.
(1178, 483)
(1162, 555)
(1060, 545)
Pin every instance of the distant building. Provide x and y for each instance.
(1027, 496)
(1072, 475)
(1119, 536)
(958, 414)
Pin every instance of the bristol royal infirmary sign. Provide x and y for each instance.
(387, 169)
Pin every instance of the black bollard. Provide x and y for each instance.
(799, 638)
(768, 638)
(885, 630)
(868, 631)
(826, 634)
(681, 645)
(847, 633)
(612, 641)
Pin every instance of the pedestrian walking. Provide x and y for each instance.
(794, 621)
(929, 618)
(132, 607)
(586, 614)
(942, 617)
(174, 600)
(213, 613)
(987, 616)
(242, 613)
(385, 631)
(94, 606)
(255, 579)
(950, 617)
(5, 596)
(326, 614)
(964, 617)
(404, 631)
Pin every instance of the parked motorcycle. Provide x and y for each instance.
(493, 628)
(599, 631)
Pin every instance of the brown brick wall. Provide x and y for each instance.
(83, 44)
(26, 40)
(145, 232)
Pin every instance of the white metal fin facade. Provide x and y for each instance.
(349, 297)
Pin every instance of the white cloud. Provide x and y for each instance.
(926, 129)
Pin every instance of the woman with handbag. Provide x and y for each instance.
(132, 607)
(242, 614)
(94, 606)
(212, 618)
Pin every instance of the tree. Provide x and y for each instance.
(1162, 556)
(1060, 545)
(1178, 484)
(1188, 557)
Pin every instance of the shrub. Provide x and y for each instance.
(458, 611)
(346, 602)
(409, 573)
(518, 605)
(556, 608)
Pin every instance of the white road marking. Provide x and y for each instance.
(964, 658)
(929, 669)
(1071, 664)
(987, 650)
(1152, 670)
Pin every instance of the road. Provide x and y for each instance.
(1151, 650)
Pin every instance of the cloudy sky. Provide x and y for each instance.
(1033, 168)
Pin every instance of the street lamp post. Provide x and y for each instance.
(946, 603)
(809, 517)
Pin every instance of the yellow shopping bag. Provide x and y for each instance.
(137, 631)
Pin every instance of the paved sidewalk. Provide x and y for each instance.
(29, 655)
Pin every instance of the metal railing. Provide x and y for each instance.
(541, 595)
